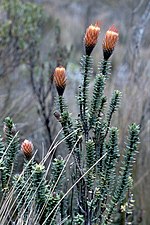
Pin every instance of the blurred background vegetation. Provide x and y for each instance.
(36, 36)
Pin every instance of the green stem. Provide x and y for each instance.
(104, 67)
(61, 104)
(85, 85)
(85, 106)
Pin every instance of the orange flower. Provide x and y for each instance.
(60, 79)
(110, 41)
(27, 148)
(91, 37)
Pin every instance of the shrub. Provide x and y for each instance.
(93, 183)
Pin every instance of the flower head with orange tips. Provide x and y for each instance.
(110, 41)
(91, 37)
(60, 79)
(27, 148)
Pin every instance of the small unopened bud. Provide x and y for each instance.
(110, 41)
(60, 79)
(57, 115)
(27, 148)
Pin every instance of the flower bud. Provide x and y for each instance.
(57, 115)
(60, 79)
(110, 41)
(27, 148)
(91, 37)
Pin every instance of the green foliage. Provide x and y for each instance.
(39, 184)
(57, 167)
(2, 147)
(20, 29)
(86, 70)
(19, 182)
(98, 99)
(90, 159)
(102, 190)
(125, 172)
(10, 150)
(23, 20)
(2, 165)
(66, 122)
(114, 104)
(78, 219)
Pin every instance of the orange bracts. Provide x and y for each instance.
(60, 79)
(27, 148)
(91, 37)
(110, 41)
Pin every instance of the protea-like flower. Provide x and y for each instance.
(60, 79)
(27, 148)
(110, 41)
(91, 37)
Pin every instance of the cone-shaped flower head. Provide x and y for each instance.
(91, 37)
(110, 41)
(60, 79)
(27, 148)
